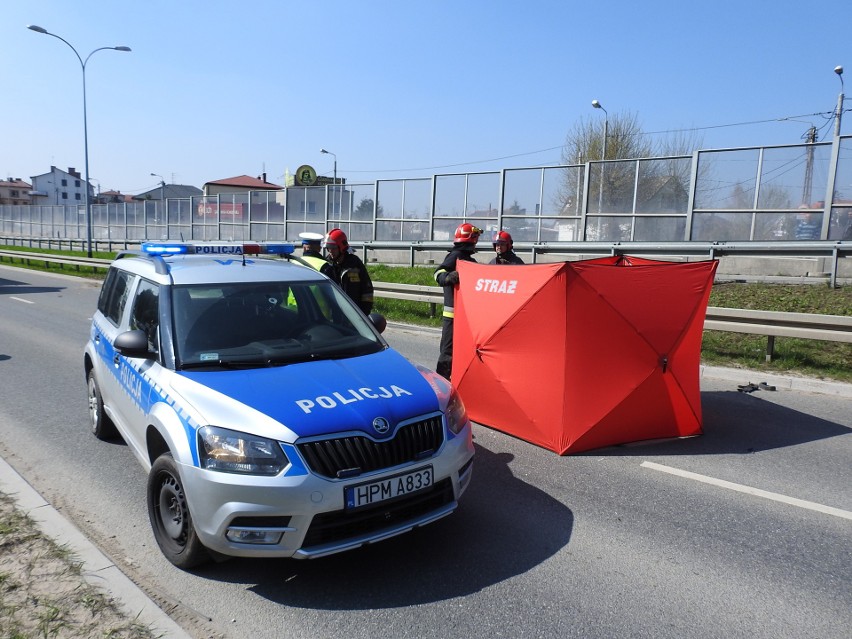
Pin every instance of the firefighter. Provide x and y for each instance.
(464, 246)
(503, 244)
(348, 270)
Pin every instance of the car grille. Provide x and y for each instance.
(341, 525)
(351, 456)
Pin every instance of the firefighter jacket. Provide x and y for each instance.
(352, 276)
(461, 251)
(509, 257)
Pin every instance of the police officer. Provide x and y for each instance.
(348, 270)
(312, 252)
(464, 246)
(503, 244)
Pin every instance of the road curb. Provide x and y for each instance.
(781, 382)
(97, 569)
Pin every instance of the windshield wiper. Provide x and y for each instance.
(254, 362)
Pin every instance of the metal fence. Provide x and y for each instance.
(786, 193)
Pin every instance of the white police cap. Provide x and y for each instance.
(310, 238)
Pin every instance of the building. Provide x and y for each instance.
(59, 187)
(169, 192)
(240, 184)
(14, 191)
(113, 197)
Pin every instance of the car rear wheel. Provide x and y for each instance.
(170, 518)
(102, 427)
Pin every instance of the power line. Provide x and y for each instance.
(450, 166)
(825, 114)
(722, 126)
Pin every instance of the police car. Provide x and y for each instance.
(272, 417)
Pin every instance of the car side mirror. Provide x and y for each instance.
(132, 343)
(378, 320)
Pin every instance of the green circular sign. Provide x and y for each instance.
(306, 175)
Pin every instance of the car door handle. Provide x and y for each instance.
(115, 359)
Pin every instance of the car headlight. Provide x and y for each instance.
(456, 413)
(229, 451)
(448, 399)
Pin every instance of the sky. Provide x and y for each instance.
(215, 89)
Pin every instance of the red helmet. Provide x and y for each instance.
(502, 237)
(337, 238)
(468, 233)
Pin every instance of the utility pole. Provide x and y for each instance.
(839, 71)
(807, 187)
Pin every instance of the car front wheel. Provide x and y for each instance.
(170, 518)
(102, 427)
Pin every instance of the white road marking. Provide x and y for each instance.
(757, 492)
(20, 299)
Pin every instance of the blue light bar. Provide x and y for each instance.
(214, 248)
(156, 248)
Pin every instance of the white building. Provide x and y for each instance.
(59, 187)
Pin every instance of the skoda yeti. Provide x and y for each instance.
(271, 416)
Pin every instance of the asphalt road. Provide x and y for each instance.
(613, 543)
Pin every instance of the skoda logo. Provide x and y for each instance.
(380, 425)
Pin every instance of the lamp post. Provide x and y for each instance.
(598, 105)
(334, 199)
(162, 186)
(162, 196)
(83, 63)
(839, 71)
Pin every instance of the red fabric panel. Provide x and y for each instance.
(657, 299)
(653, 410)
(510, 377)
(605, 359)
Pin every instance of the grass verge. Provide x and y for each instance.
(43, 592)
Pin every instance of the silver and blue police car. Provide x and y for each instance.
(272, 417)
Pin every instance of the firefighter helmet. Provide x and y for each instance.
(337, 237)
(467, 233)
(503, 237)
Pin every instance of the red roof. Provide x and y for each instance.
(16, 182)
(247, 182)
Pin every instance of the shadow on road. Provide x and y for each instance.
(16, 287)
(739, 423)
(503, 527)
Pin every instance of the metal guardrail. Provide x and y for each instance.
(772, 324)
(51, 258)
(831, 250)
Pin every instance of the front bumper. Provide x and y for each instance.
(309, 510)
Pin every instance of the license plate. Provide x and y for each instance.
(376, 491)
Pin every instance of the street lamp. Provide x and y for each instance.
(162, 186)
(162, 196)
(598, 105)
(839, 71)
(38, 29)
(335, 176)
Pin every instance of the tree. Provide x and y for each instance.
(611, 183)
(624, 140)
(364, 210)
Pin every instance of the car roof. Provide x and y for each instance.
(207, 269)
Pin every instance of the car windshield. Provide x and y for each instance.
(267, 324)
